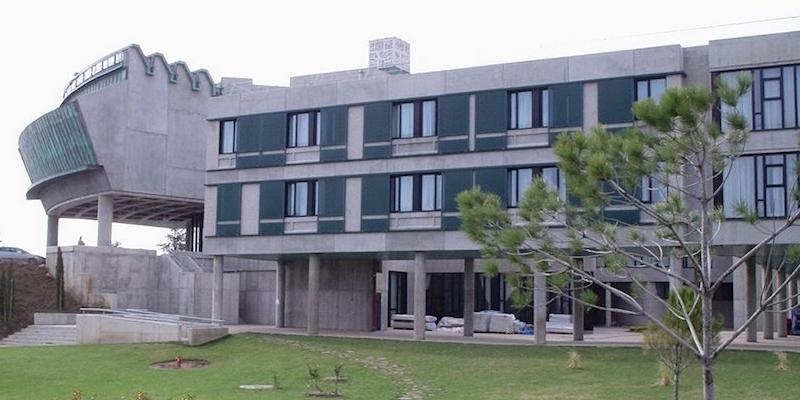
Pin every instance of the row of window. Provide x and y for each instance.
(773, 101)
(527, 109)
(764, 183)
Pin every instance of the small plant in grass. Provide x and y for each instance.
(338, 377)
(276, 383)
(574, 360)
(313, 375)
(783, 361)
(664, 376)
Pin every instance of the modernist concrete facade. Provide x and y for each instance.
(345, 182)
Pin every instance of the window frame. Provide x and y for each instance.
(537, 171)
(312, 199)
(418, 119)
(788, 81)
(396, 188)
(313, 130)
(539, 111)
(761, 188)
(235, 145)
(649, 81)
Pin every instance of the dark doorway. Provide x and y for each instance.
(398, 292)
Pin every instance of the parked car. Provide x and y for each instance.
(14, 254)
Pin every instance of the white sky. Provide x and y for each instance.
(44, 43)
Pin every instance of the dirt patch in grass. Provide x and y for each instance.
(34, 291)
(189, 363)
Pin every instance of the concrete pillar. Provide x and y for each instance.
(280, 294)
(577, 307)
(105, 216)
(750, 298)
(783, 304)
(384, 290)
(216, 289)
(539, 307)
(469, 296)
(768, 314)
(419, 296)
(792, 293)
(52, 231)
(609, 299)
(312, 304)
(675, 268)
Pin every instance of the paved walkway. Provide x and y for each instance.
(600, 337)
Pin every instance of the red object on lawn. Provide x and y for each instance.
(179, 361)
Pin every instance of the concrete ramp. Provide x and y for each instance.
(103, 326)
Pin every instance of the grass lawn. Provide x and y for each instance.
(375, 369)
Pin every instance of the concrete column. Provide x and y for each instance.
(105, 216)
(783, 304)
(609, 299)
(792, 293)
(384, 290)
(539, 307)
(469, 296)
(280, 294)
(52, 231)
(750, 298)
(312, 312)
(216, 289)
(577, 313)
(768, 314)
(675, 268)
(419, 296)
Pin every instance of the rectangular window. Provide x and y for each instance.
(414, 119)
(762, 183)
(654, 188)
(772, 101)
(301, 199)
(422, 192)
(520, 179)
(304, 129)
(652, 88)
(529, 109)
(227, 136)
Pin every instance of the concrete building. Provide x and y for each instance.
(343, 183)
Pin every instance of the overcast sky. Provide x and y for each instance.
(43, 44)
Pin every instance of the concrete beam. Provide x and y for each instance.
(280, 294)
(52, 230)
(312, 313)
(768, 315)
(419, 296)
(469, 296)
(216, 291)
(750, 298)
(540, 308)
(105, 216)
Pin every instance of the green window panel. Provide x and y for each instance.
(334, 126)
(490, 112)
(451, 223)
(622, 216)
(375, 225)
(330, 192)
(228, 230)
(248, 161)
(377, 122)
(272, 160)
(566, 105)
(372, 152)
(454, 181)
(452, 115)
(249, 131)
(330, 226)
(327, 154)
(229, 202)
(274, 131)
(56, 144)
(453, 146)
(614, 100)
(271, 200)
(270, 228)
(490, 143)
(375, 194)
(492, 180)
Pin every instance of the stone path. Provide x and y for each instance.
(410, 389)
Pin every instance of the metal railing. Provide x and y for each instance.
(144, 315)
(97, 68)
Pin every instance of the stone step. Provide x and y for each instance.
(42, 335)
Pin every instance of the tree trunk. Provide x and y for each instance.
(708, 345)
(676, 381)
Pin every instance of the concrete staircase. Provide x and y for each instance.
(42, 335)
